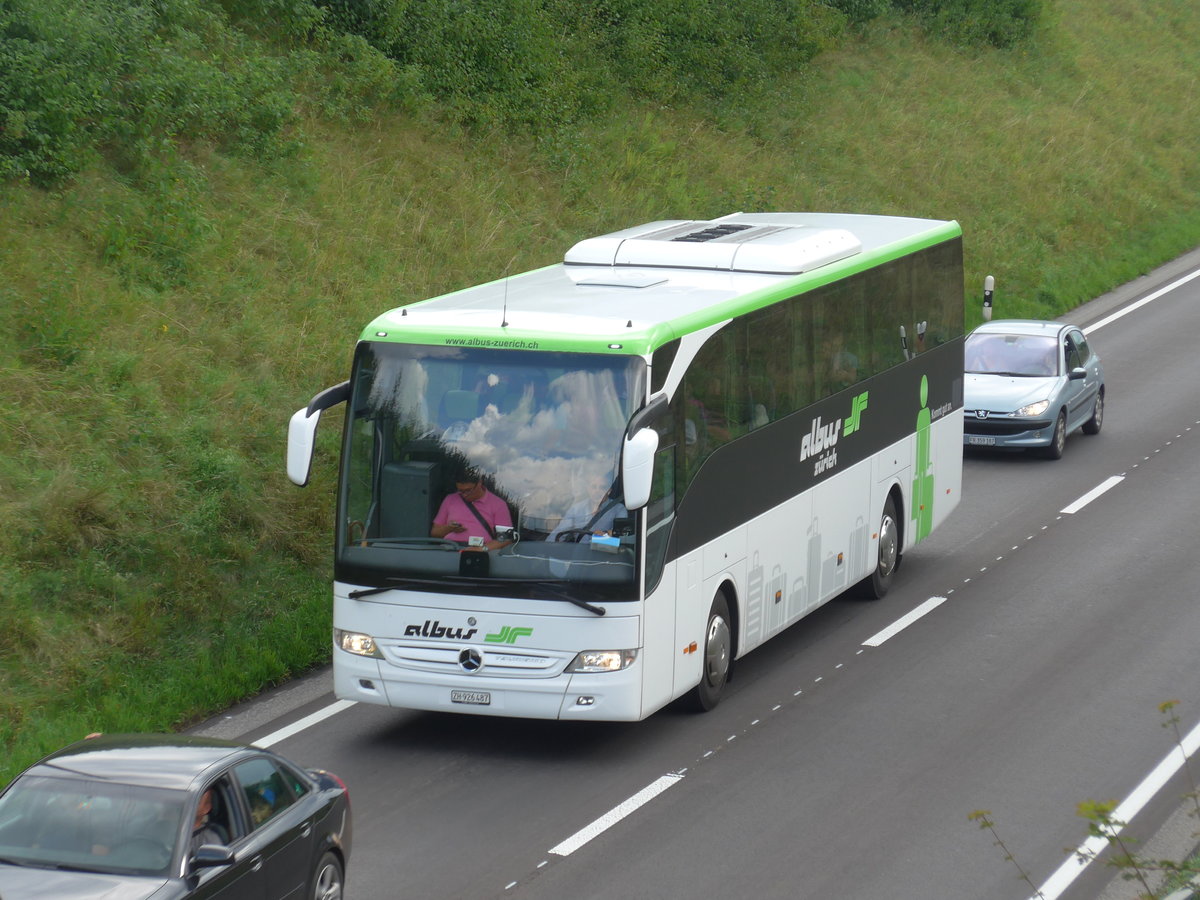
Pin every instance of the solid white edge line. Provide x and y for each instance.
(1106, 485)
(1123, 814)
(1147, 299)
(615, 815)
(904, 621)
(307, 722)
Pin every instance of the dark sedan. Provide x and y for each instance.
(164, 816)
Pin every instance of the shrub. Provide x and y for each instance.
(996, 23)
(130, 80)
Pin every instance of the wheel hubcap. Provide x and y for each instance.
(716, 651)
(887, 546)
(328, 885)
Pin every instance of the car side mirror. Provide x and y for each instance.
(1077, 374)
(210, 856)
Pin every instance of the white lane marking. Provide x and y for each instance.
(900, 624)
(1106, 485)
(307, 722)
(1123, 814)
(615, 815)
(1147, 299)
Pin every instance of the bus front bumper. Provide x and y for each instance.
(606, 696)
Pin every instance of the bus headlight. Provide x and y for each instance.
(353, 642)
(602, 661)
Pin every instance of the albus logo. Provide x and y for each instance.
(819, 438)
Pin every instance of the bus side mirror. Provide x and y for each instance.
(302, 434)
(302, 431)
(637, 467)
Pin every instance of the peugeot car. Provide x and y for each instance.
(1029, 384)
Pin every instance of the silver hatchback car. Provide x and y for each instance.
(1029, 384)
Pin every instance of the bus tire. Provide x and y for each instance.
(718, 657)
(876, 585)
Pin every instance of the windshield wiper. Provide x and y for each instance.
(409, 579)
(563, 595)
(549, 586)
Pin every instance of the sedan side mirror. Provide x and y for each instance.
(1077, 374)
(209, 856)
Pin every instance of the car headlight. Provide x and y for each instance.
(1033, 409)
(353, 642)
(602, 661)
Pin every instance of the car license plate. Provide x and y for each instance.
(981, 440)
(476, 698)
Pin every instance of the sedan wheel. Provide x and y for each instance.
(327, 882)
(1059, 441)
(1092, 425)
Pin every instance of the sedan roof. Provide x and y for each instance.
(151, 760)
(1021, 326)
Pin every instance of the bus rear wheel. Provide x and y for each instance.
(718, 656)
(876, 585)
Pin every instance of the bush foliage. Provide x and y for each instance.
(134, 80)
(131, 81)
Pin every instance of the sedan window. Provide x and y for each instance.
(266, 792)
(94, 826)
(295, 781)
(1079, 342)
(1012, 354)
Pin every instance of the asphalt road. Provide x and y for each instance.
(839, 766)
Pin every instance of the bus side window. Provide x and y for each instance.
(660, 514)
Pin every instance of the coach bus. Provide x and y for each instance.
(690, 435)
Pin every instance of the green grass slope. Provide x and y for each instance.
(155, 564)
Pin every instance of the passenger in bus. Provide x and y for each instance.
(842, 368)
(472, 511)
(592, 515)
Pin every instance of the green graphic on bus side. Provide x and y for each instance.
(508, 635)
(854, 420)
(922, 491)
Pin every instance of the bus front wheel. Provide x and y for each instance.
(876, 585)
(718, 655)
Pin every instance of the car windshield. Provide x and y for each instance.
(93, 826)
(1032, 355)
(540, 433)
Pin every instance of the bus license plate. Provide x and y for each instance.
(476, 698)
(981, 440)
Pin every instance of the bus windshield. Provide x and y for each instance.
(540, 431)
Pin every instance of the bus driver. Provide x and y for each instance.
(472, 511)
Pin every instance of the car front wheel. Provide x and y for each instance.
(328, 878)
(1058, 441)
(1092, 425)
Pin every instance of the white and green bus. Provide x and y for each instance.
(702, 431)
